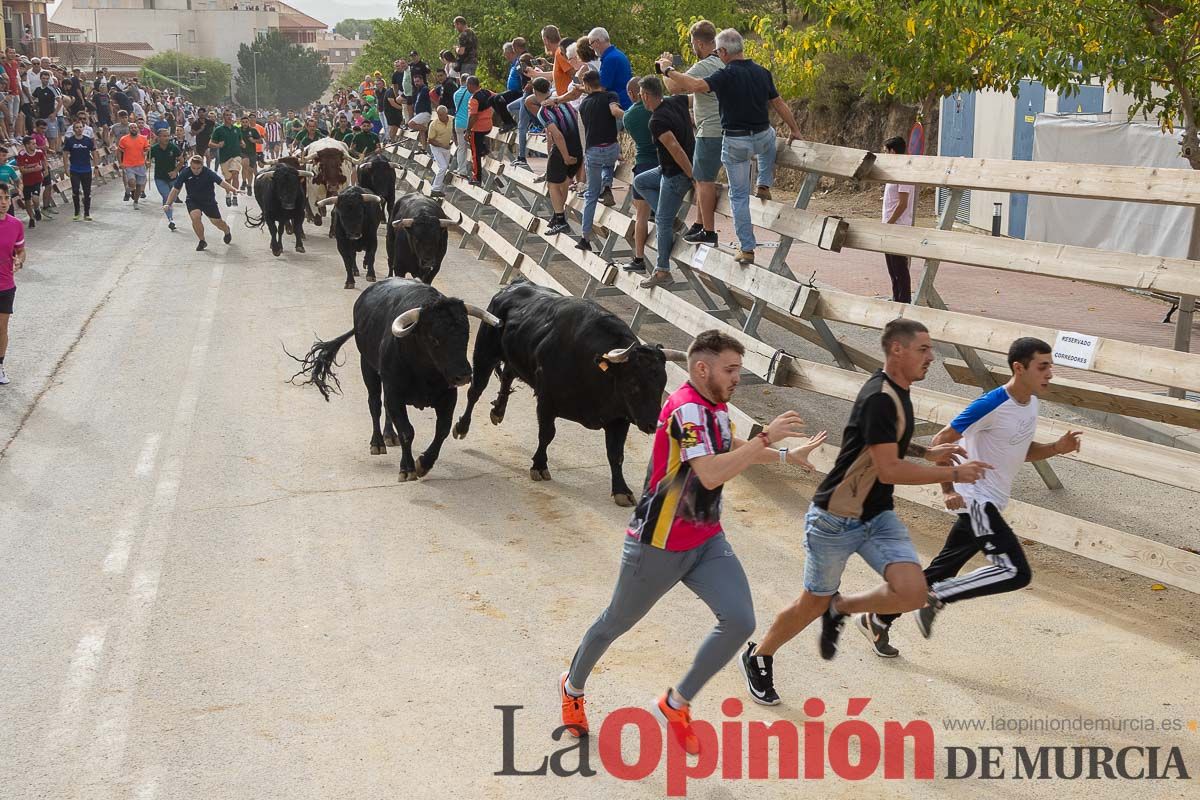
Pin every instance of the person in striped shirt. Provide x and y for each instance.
(676, 536)
(274, 136)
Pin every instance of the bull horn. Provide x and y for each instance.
(308, 173)
(374, 198)
(328, 201)
(678, 356)
(407, 222)
(618, 356)
(479, 313)
(403, 325)
(451, 223)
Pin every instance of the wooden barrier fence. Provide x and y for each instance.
(505, 216)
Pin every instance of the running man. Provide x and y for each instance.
(201, 198)
(675, 535)
(12, 258)
(167, 158)
(851, 511)
(251, 144)
(79, 157)
(33, 166)
(998, 428)
(227, 141)
(133, 147)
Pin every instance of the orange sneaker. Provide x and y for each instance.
(678, 722)
(573, 714)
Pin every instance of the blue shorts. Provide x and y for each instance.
(830, 540)
(706, 158)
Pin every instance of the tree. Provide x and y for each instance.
(1149, 49)
(356, 28)
(288, 76)
(206, 88)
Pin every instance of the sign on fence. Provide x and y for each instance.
(1074, 349)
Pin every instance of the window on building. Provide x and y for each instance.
(192, 35)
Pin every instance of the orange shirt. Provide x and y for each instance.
(133, 150)
(563, 72)
(263, 133)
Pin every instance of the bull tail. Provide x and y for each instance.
(251, 222)
(317, 366)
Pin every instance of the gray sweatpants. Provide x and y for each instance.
(647, 573)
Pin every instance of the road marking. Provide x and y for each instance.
(147, 788)
(106, 754)
(81, 674)
(145, 464)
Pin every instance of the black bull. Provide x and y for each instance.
(281, 202)
(355, 225)
(416, 237)
(584, 365)
(412, 344)
(378, 176)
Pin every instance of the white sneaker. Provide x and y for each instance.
(3, 377)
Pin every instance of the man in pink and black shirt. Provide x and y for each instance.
(675, 535)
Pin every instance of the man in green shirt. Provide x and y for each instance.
(309, 135)
(167, 158)
(342, 130)
(363, 143)
(227, 141)
(637, 125)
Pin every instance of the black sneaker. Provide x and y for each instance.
(701, 237)
(228, 201)
(928, 614)
(559, 226)
(635, 265)
(583, 244)
(519, 162)
(126, 197)
(235, 200)
(692, 231)
(200, 245)
(876, 634)
(32, 224)
(606, 197)
(760, 677)
(831, 630)
(228, 238)
(171, 226)
(37, 214)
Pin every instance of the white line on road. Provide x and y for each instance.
(81, 674)
(106, 755)
(145, 464)
(118, 552)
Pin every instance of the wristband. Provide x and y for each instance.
(783, 454)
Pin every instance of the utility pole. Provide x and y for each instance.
(95, 42)
(254, 55)
(176, 35)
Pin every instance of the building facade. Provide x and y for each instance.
(25, 26)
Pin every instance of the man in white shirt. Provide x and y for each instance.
(899, 202)
(997, 428)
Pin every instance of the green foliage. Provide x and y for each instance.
(208, 88)
(356, 28)
(638, 30)
(1149, 49)
(289, 76)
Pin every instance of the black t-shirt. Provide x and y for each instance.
(398, 78)
(102, 101)
(203, 133)
(449, 87)
(882, 414)
(672, 115)
(469, 42)
(45, 99)
(743, 89)
(599, 125)
(420, 68)
(122, 100)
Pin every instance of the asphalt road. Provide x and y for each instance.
(212, 591)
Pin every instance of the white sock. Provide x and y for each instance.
(571, 690)
(674, 701)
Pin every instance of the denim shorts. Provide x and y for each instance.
(830, 540)
(706, 161)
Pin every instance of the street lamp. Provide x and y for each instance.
(176, 35)
(254, 56)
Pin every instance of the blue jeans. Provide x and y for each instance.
(665, 195)
(736, 152)
(599, 163)
(164, 189)
(517, 109)
(830, 540)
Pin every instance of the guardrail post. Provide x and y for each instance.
(1183, 323)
